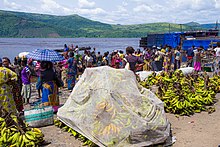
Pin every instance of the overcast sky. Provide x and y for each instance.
(123, 11)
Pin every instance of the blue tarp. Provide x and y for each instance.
(172, 39)
(205, 43)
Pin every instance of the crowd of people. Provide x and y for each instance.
(15, 78)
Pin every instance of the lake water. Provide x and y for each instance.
(11, 47)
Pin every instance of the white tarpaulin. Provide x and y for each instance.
(144, 74)
(109, 107)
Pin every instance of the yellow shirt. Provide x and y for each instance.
(6, 97)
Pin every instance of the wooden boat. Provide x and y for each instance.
(80, 49)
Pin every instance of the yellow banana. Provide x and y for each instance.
(5, 137)
(110, 109)
(3, 124)
(10, 138)
(24, 138)
(108, 129)
(29, 137)
(37, 130)
(15, 138)
(2, 119)
(3, 130)
(114, 113)
(104, 131)
(22, 142)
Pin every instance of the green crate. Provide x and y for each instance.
(207, 69)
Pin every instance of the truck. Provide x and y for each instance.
(186, 39)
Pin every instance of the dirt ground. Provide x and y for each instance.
(199, 130)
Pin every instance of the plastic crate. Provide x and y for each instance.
(207, 69)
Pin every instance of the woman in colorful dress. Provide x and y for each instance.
(134, 61)
(72, 71)
(50, 90)
(197, 64)
(16, 90)
(6, 96)
(166, 62)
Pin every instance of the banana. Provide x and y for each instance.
(108, 129)
(3, 124)
(15, 138)
(2, 119)
(115, 130)
(101, 105)
(10, 138)
(22, 142)
(29, 137)
(128, 122)
(114, 113)
(74, 133)
(31, 133)
(104, 131)
(3, 130)
(110, 109)
(5, 137)
(13, 129)
(37, 130)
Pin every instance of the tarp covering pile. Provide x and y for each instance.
(109, 107)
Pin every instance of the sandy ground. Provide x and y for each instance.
(199, 130)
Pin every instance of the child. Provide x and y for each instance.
(26, 84)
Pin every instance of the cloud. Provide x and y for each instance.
(86, 4)
(51, 6)
(124, 11)
(11, 5)
(217, 4)
(142, 8)
(95, 11)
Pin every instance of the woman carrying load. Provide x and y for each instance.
(50, 89)
(16, 85)
(6, 97)
(134, 61)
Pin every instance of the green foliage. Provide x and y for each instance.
(19, 24)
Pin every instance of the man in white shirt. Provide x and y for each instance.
(217, 53)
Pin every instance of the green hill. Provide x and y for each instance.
(19, 24)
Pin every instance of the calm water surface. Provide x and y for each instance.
(11, 47)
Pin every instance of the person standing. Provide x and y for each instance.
(134, 61)
(197, 64)
(190, 55)
(89, 59)
(26, 83)
(7, 76)
(64, 70)
(72, 71)
(50, 89)
(177, 58)
(166, 62)
(217, 54)
(99, 59)
(16, 85)
(39, 83)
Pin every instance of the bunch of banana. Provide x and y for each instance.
(111, 128)
(185, 94)
(86, 142)
(15, 133)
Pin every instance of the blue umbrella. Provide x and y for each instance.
(45, 55)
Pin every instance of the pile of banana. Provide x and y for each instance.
(185, 94)
(15, 133)
(86, 142)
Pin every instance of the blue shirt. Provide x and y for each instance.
(190, 52)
